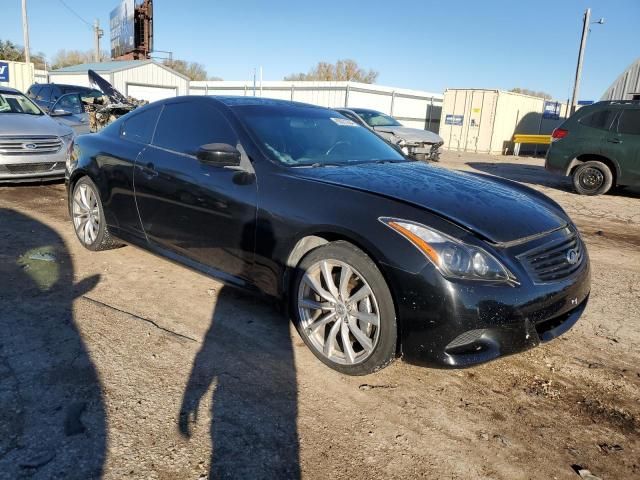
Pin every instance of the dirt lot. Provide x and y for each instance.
(120, 364)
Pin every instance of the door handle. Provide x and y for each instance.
(614, 140)
(149, 170)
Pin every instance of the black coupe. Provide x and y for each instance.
(376, 255)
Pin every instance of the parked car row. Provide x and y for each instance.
(375, 254)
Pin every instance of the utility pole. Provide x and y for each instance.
(25, 32)
(98, 32)
(583, 44)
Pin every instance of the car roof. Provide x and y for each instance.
(236, 101)
(364, 110)
(9, 90)
(63, 85)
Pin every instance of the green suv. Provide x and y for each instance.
(599, 147)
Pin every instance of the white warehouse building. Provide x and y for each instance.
(143, 79)
(149, 80)
(413, 108)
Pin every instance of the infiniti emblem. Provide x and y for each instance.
(29, 146)
(572, 256)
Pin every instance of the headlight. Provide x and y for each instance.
(452, 257)
(67, 138)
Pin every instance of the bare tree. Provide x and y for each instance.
(342, 70)
(193, 70)
(533, 93)
(65, 58)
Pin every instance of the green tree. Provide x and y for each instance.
(15, 53)
(342, 70)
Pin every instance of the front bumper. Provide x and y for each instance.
(453, 324)
(25, 168)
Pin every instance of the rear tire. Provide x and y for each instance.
(348, 322)
(592, 178)
(88, 217)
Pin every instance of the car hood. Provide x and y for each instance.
(411, 135)
(498, 212)
(23, 124)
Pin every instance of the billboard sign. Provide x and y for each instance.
(121, 23)
(551, 110)
(4, 72)
(453, 120)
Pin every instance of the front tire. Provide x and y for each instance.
(343, 309)
(592, 178)
(88, 217)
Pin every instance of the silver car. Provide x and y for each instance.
(32, 144)
(414, 142)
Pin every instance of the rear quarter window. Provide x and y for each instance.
(600, 119)
(629, 122)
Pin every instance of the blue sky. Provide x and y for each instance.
(421, 44)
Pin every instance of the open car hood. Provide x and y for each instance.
(105, 87)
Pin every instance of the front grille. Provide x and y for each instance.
(21, 168)
(29, 145)
(555, 260)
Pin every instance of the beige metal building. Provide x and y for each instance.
(20, 74)
(626, 86)
(143, 79)
(484, 121)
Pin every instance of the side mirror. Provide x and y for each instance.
(219, 155)
(58, 112)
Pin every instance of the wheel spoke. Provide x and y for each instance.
(313, 305)
(360, 336)
(371, 318)
(329, 317)
(345, 276)
(317, 288)
(346, 343)
(328, 278)
(86, 231)
(361, 294)
(83, 197)
(330, 343)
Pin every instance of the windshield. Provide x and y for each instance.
(17, 103)
(377, 119)
(312, 136)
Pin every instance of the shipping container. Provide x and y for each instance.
(17, 75)
(485, 121)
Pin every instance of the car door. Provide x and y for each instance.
(203, 212)
(43, 96)
(625, 139)
(117, 170)
(69, 110)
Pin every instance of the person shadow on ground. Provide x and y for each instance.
(52, 414)
(247, 360)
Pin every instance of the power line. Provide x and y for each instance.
(76, 14)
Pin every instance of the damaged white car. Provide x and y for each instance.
(414, 142)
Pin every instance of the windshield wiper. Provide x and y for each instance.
(317, 165)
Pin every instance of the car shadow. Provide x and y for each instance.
(52, 414)
(532, 174)
(246, 366)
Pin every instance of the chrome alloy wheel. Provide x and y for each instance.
(86, 214)
(338, 312)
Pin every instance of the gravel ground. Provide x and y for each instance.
(123, 365)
